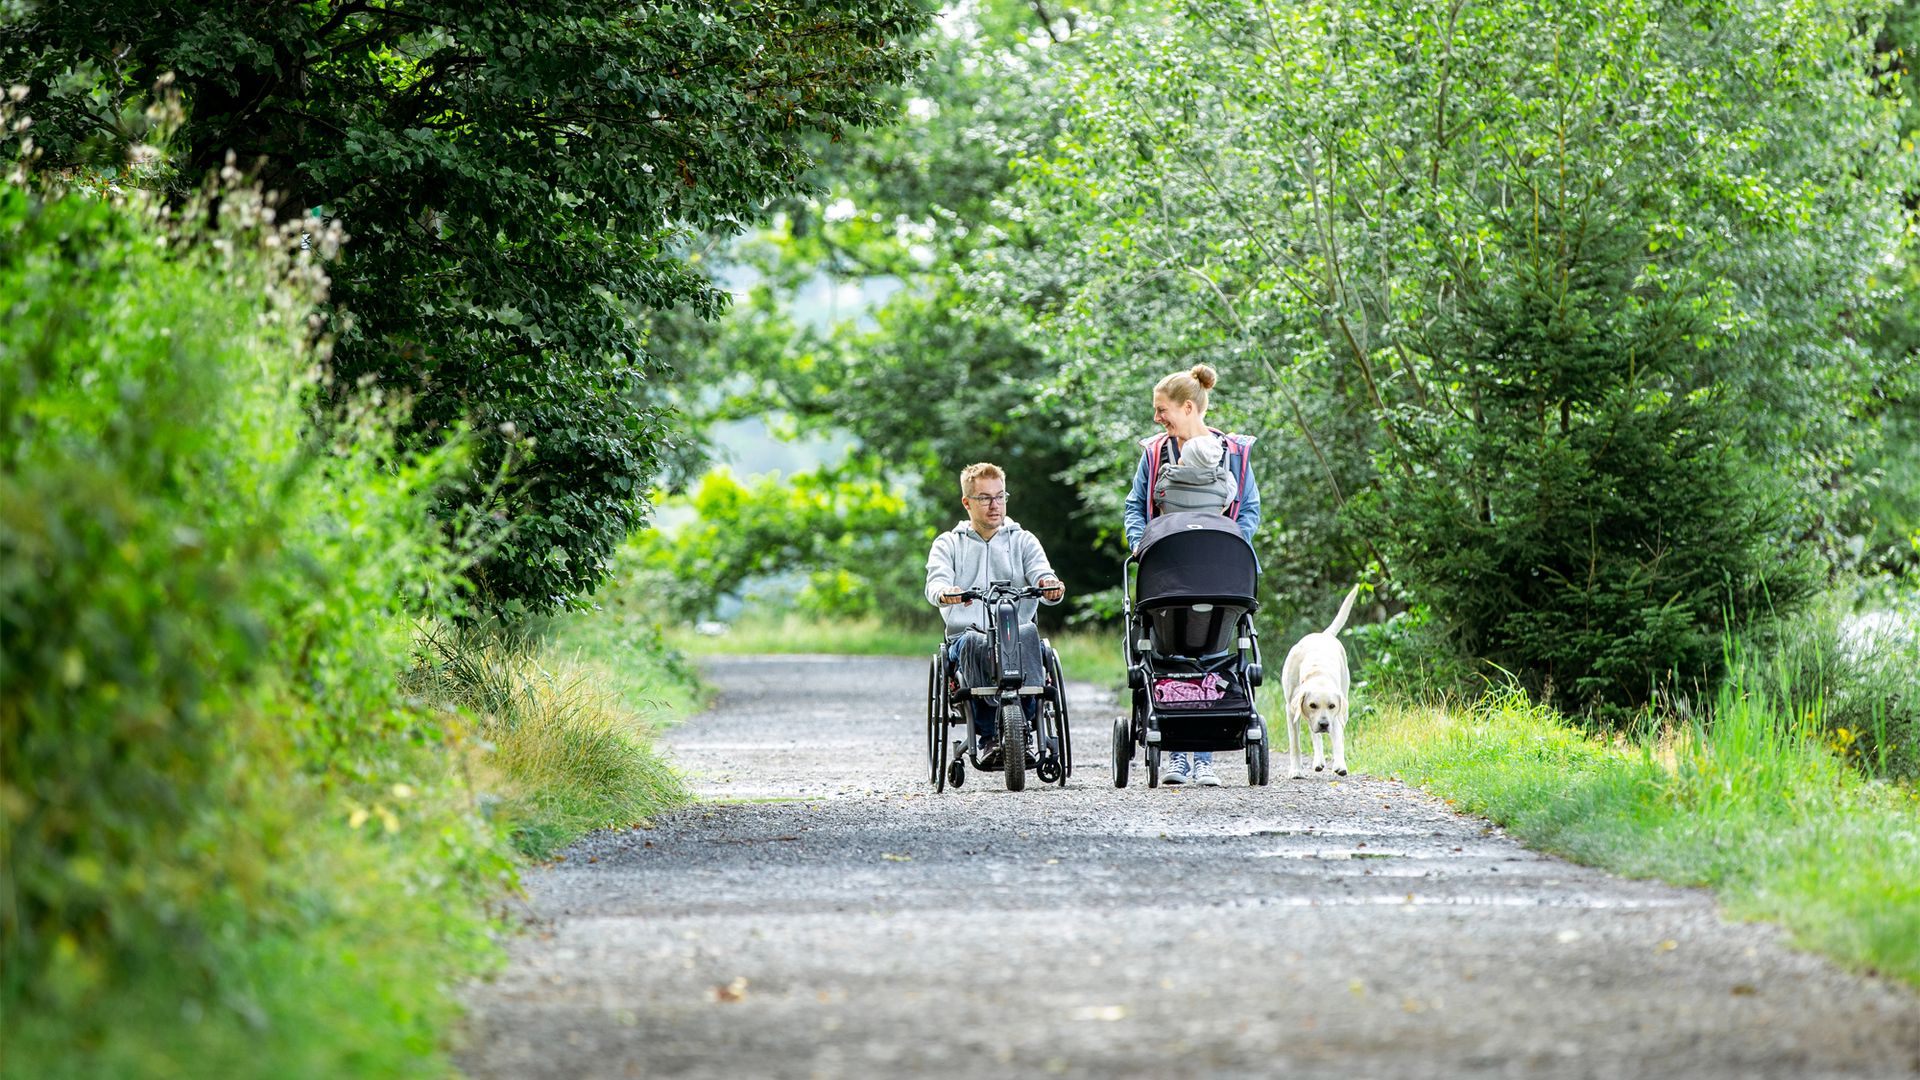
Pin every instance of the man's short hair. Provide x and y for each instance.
(977, 471)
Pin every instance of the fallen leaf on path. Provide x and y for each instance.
(730, 993)
(891, 857)
(1669, 945)
(1100, 1012)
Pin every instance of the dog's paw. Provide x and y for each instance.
(1342, 772)
(1296, 775)
(1319, 768)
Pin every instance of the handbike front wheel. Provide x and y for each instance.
(1013, 746)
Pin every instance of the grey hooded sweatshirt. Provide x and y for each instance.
(961, 560)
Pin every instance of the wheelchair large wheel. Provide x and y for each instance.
(936, 725)
(1013, 746)
(1059, 684)
(1122, 750)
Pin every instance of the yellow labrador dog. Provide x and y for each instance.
(1315, 683)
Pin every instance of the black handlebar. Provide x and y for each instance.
(1001, 590)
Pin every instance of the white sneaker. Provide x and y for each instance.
(1202, 772)
(1178, 770)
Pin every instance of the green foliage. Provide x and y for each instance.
(1407, 656)
(1751, 804)
(522, 184)
(1849, 668)
(1592, 520)
(206, 767)
(861, 551)
(929, 382)
(1583, 300)
(1888, 514)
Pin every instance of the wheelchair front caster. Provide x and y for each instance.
(957, 772)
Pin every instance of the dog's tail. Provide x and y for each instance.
(1346, 608)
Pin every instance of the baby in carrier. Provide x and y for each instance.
(1199, 482)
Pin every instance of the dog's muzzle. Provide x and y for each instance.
(1323, 727)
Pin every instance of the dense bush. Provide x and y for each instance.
(208, 775)
(1594, 520)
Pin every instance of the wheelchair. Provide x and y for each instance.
(1013, 663)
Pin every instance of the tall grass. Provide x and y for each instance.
(1852, 676)
(569, 752)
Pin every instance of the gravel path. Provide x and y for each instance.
(862, 926)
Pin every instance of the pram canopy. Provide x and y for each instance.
(1188, 558)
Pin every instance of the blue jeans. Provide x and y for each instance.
(986, 711)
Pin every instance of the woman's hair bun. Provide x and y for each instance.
(1204, 375)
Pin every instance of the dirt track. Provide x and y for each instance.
(865, 927)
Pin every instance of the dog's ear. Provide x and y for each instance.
(1293, 703)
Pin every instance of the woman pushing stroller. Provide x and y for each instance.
(1191, 467)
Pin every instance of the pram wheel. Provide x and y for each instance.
(1013, 746)
(1153, 766)
(1122, 750)
(1257, 763)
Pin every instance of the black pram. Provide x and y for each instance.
(1193, 659)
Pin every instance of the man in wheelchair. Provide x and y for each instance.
(988, 546)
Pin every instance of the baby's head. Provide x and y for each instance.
(1203, 450)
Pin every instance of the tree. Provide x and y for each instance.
(929, 383)
(520, 184)
(1517, 238)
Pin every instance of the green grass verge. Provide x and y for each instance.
(1748, 805)
(570, 720)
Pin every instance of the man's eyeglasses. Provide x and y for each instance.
(983, 500)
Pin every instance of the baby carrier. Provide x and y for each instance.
(1200, 481)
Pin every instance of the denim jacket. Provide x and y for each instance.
(1140, 499)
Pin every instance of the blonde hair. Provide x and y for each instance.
(1189, 385)
(976, 471)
